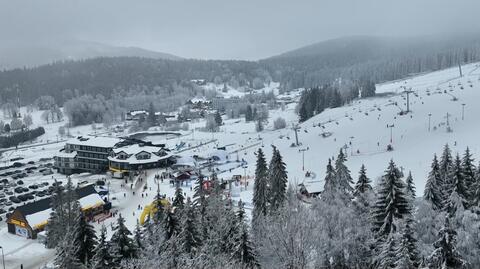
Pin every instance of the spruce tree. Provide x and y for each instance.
(189, 237)
(387, 256)
(445, 254)
(363, 191)
(171, 225)
(363, 184)
(410, 188)
(122, 246)
(152, 119)
(102, 258)
(85, 240)
(432, 192)
(457, 191)
(159, 209)
(456, 200)
(218, 118)
(407, 252)
(342, 174)
(66, 257)
(446, 166)
(469, 174)
(138, 236)
(199, 191)
(330, 187)
(243, 248)
(391, 204)
(278, 181)
(178, 200)
(260, 187)
(65, 210)
(248, 113)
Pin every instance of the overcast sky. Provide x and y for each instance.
(227, 29)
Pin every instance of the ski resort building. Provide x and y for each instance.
(30, 219)
(99, 154)
(138, 156)
(85, 154)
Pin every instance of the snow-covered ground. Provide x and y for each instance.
(360, 127)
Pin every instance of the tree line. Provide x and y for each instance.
(351, 224)
(315, 100)
(15, 139)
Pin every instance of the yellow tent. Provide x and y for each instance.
(151, 209)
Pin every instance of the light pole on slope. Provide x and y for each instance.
(3, 257)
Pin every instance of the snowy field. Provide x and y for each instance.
(360, 128)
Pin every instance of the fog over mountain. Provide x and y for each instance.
(39, 53)
(216, 29)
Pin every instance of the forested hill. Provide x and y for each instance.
(377, 58)
(365, 58)
(104, 75)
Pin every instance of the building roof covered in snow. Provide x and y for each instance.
(139, 154)
(95, 141)
(38, 212)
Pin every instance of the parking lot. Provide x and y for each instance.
(22, 182)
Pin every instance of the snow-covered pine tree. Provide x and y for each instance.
(138, 236)
(403, 256)
(55, 229)
(342, 174)
(102, 258)
(457, 190)
(410, 188)
(469, 174)
(363, 192)
(456, 201)
(85, 239)
(178, 200)
(407, 251)
(446, 166)
(392, 203)
(277, 177)
(243, 249)
(158, 216)
(122, 246)
(189, 236)
(330, 187)
(363, 184)
(387, 256)
(445, 254)
(65, 210)
(66, 257)
(434, 185)
(171, 225)
(260, 187)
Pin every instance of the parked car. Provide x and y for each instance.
(47, 172)
(17, 164)
(20, 182)
(31, 162)
(15, 199)
(18, 189)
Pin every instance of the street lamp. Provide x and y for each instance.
(391, 132)
(3, 257)
(463, 111)
(303, 157)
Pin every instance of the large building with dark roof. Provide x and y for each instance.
(30, 219)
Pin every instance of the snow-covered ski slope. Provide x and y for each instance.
(364, 123)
